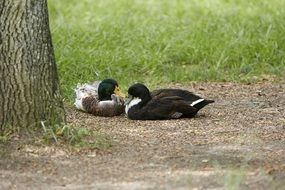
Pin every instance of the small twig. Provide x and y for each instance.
(63, 128)
(45, 130)
(54, 136)
(44, 127)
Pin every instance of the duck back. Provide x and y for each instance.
(186, 95)
(168, 107)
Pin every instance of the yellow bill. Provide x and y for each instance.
(118, 92)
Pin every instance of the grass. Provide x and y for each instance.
(68, 136)
(158, 41)
(76, 136)
(4, 138)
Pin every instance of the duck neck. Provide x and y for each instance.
(145, 99)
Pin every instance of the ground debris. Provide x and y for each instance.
(240, 140)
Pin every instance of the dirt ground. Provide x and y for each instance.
(236, 143)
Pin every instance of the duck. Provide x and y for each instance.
(161, 104)
(100, 98)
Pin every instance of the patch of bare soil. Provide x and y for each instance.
(237, 142)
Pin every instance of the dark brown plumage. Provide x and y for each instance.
(162, 104)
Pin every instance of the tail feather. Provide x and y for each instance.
(202, 103)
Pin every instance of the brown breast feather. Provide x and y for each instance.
(104, 108)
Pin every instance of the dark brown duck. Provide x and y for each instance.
(142, 104)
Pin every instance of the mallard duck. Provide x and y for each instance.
(101, 98)
(142, 104)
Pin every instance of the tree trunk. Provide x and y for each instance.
(29, 83)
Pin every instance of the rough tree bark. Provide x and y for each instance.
(29, 84)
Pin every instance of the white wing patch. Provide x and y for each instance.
(115, 101)
(105, 103)
(91, 89)
(196, 102)
(78, 104)
(132, 103)
(82, 91)
(176, 115)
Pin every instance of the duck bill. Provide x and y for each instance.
(128, 100)
(118, 92)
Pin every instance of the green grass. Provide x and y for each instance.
(76, 136)
(162, 41)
